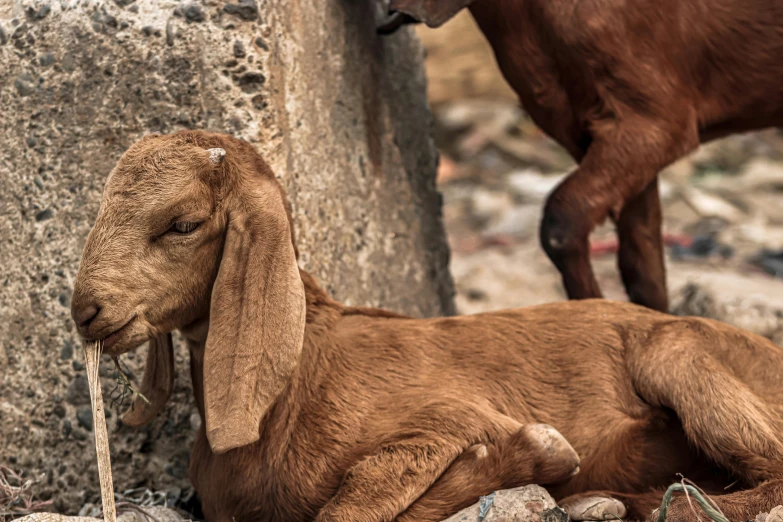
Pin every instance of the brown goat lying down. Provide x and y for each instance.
(312, 410)
(627, 88)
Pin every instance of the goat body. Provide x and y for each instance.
(626, 87)
(312, 410)
(384, 415)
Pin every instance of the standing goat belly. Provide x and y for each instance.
(312, 410)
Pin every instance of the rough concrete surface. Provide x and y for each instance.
(339, 113)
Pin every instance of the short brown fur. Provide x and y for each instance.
(384, 417)
(626, 87)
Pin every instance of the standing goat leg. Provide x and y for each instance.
(623, 159)
(534, 454)
(640, 255)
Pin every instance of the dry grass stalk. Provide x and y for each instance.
(124, 387)
(92, 356)
(16, 497)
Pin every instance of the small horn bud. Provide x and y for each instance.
(216, 155)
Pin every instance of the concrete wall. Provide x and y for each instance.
(339, 113)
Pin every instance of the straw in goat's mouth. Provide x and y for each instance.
(92, 356)
(124, 387)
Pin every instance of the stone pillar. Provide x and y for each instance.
(339, 113)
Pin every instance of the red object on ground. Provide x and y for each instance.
(610, 246)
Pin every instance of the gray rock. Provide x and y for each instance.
(554, 514)
(25, 84)
(66, 352)
(44, 214)
(78, 391)
(251, 81)
(46, 59)
(194, 13)
(245, 9)
(59, 410)
(354, 153)
(38, 14)
(239, 49)
(524, 504)
(84, 416)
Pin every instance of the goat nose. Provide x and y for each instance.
(84, 315)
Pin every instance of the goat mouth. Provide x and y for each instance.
(113, 337)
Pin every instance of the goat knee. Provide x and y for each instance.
(564, 231)
(564, 234)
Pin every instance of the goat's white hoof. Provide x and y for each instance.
(594, 508)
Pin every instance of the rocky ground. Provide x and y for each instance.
(722, 205)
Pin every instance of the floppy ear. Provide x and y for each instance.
(157, 383)
(257, 318)
(434, 13)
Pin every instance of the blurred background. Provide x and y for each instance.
(722, 205)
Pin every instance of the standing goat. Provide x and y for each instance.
(626, 87)
(312, 410)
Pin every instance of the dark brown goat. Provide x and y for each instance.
(627, 87)
(312, 410)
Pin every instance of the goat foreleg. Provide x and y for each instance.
(382, 485)
(386, 483)
(534, 454)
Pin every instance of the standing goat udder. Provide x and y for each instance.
(312, 410)
(627, 88)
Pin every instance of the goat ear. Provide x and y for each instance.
(434, 13)
(257, 319)
(157, 383)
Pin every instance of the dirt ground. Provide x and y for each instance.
(722, 205)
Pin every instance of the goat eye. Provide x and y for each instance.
(184, 227)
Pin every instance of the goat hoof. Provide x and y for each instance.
(556, 452)
(593, 508)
